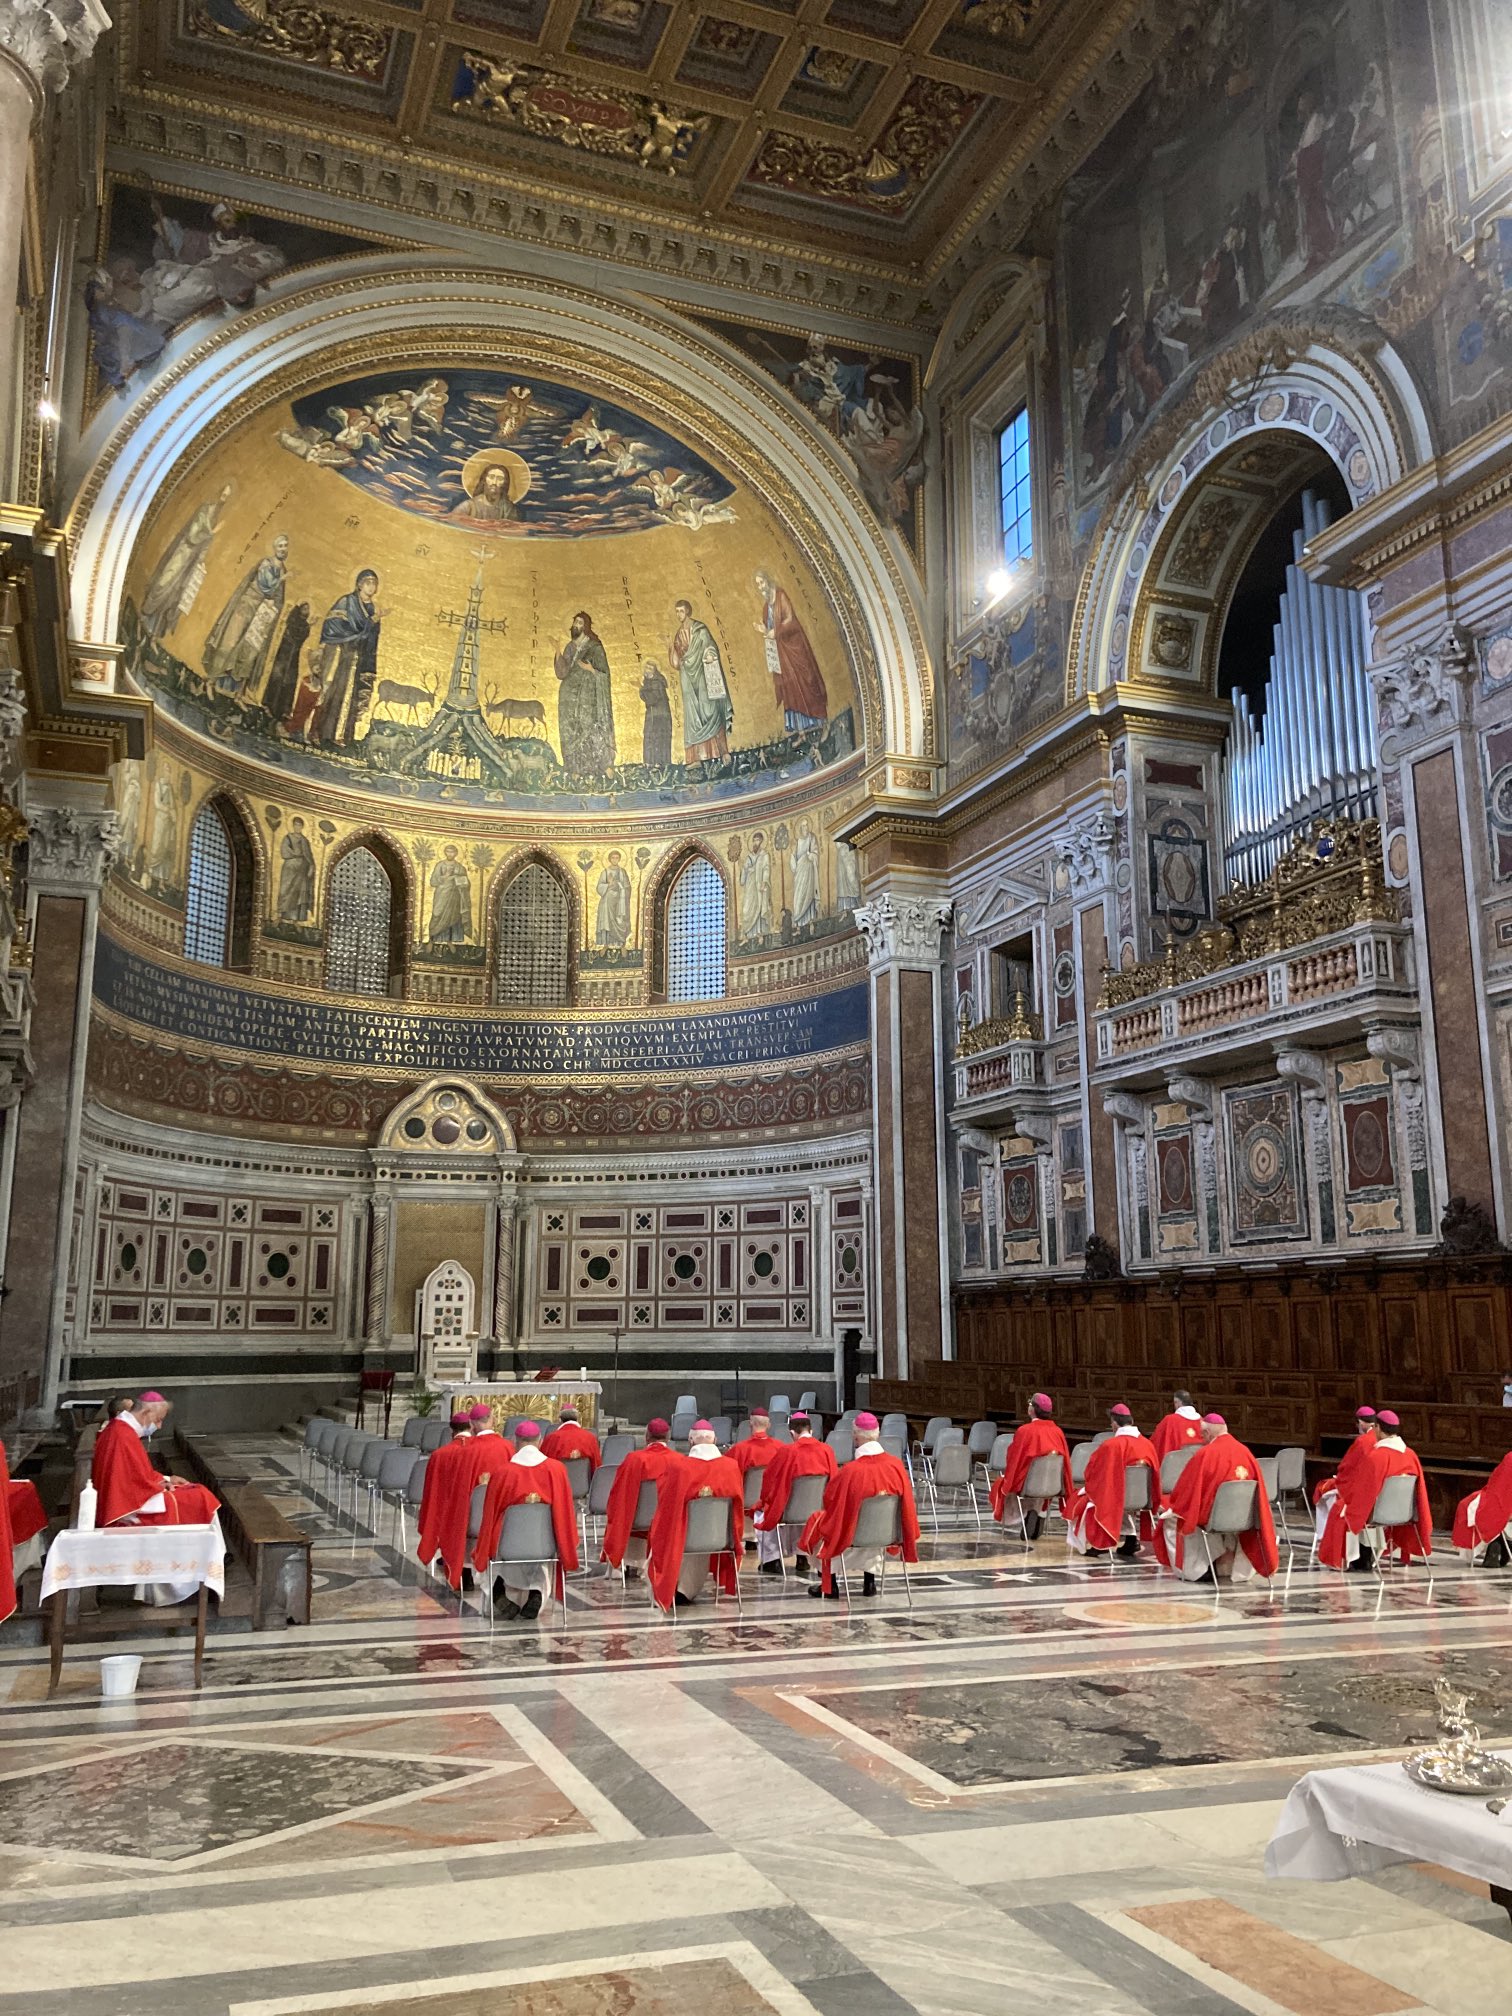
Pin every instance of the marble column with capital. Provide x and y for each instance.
(70, 851)
(42, 42)
(903, 929)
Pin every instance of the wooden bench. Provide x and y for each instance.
(274, 1552)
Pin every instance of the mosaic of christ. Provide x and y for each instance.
(478, 585)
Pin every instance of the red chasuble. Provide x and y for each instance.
(755, 1453)
(570, 1441)
(1224, 1460)
(1491, 1513)
(1035, 1438)
(806, 1456)
(126, 1481)
(832, 1530)
(1176, 1431)
(641, 1466)
(1349, 1462)
(27, 1518)
(1358, 1490)
(1103, 1489)
(688, 1478)
(450, 1477)
(530, 1484)
(7, 1543)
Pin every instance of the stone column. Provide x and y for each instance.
(41, 42)
(903, 934)
(506, 1240)
(70, 852)
(380, 1229)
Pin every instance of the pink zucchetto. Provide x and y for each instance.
(480, 1413)
(527, 1431)
(1386, 1419)
(1365, 1414)
(865, 1423)
(1044, 1403)
(461, 1421)
(1214, 1421)
(658, 1427)
(151, 1400)
(1121, 1411)
(703, 1427)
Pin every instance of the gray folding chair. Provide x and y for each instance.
(1268, 1476)
(645, 1512)
(711, 1530)
(434, 1435)
(980, 1437)
(368, 1465)
(598, 1491)
(1139, 1492)
(414, 1432)
(1291, 1478)
(1236, 1511)
(780, 1431)
(1395, 1505)
(807, 1402)
(580, 1477)
(724, 1429)
(779, 1403)
(686, 1403)
(309, 1445)
(879, 1523)
(894, 1423)
(1081, 1456)
(393, 1475)
(1173, 1463)
(409, 1501)
(934, 1428)
(744, 1432)
(347, 1453)
(843, 1443)
(953, 1467)
(997, 1458)
(326, 1435)
(617, 1447)
(527, 1539)
(804, 1500)
(895, 1442)
(753, 1478)
(1045, 1481)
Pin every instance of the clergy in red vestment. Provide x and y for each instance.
(677, 1577)
(1358, 1450)
(7, 1572)
(1039, 1436)
(530, 1477)
(622, 1547)
(1236, 1556)
(755, 1453)
(804, 1456)
(1349, 1539)
(1180, 1429)
(490, 1446)
(129, 1488)
(1483, 1521)
(570, 1439)
(452, 1473)
(1096, 1521)
(871, 1473)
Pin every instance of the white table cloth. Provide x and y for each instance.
(118, 1557)
(1354, 1821)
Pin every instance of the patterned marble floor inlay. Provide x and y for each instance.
(172, 1800)
(691, 1988)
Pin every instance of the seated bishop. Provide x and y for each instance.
(831, 1534)
(531, 1477)
(623, 1546)
(1351, 1539)
(1237, 1557)
(1483, 1520)
(129, 1492)
(677, 1578)
(453, 1472)
(1327, 1491)
(1039, 1436)
(570, 1440)
(804, 1456)
(1096, 1521)
(1180, 1429)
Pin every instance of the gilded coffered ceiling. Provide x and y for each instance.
(877, 135)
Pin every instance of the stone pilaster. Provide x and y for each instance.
(903, 928)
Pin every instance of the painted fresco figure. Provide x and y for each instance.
(349, 661)
(199, 266)
(236, 651)
(707, 711)
(162, 837)
(805, 877)
(790, 659)
(612, 926)
(451, 901)
(490, 502)
(847, 878)
(756, 892)
(283, 680)
(585, 704)
(296, 875)
(1316, 230)
(180, 574)
(656, 736)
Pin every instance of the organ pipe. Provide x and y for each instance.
(1308, 749)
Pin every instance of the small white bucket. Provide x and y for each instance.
(118, 1676)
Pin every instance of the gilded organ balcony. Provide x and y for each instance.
(997, 1061)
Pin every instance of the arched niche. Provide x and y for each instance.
(446, 1116)
(636, 353)
(1221, 444)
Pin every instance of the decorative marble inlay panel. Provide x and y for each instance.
(1264, 1160)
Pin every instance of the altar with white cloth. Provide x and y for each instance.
(125, 1556)
(526, 1400)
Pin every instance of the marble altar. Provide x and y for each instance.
(529, 1399)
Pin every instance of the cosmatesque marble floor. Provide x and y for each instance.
(1044, 1785)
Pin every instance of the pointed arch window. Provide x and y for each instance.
(361, 914)
(695, 933)
(533, 941)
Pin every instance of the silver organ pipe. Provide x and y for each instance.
(1309, 750)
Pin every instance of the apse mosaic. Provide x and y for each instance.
(483, 586)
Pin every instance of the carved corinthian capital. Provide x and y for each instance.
(70, 850)
(904, 929)
(47, 38)
(1425, 691)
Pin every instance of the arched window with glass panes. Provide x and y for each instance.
(211, 889)
(533, 941)
(360, 916)
(693, 956)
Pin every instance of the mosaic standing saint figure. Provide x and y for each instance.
(349, 661)
(656, 737)
(805, 877)
(236, 651)
(707, 711)
(451, 901)
(756, 892)
(585, 703)
(796, 678)
(283, 680)
(612, 927)
(296, 874)
(180, 574)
